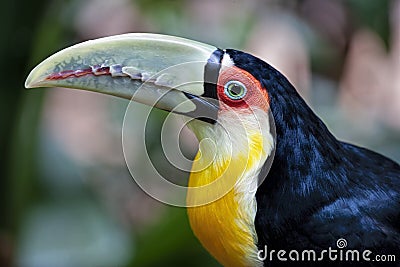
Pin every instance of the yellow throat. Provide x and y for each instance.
(225, 175)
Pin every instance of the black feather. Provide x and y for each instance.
(320, 189)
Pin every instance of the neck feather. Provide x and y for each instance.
(227, 167)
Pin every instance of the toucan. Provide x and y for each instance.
(275, 188)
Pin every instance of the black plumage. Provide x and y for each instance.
(320, 189)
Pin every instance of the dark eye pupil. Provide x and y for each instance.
(236, 89)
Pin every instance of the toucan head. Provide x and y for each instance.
(214, 87)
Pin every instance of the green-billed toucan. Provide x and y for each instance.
(277, 181)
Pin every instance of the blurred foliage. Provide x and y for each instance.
(19, 114)
(40, 218)
(170, 243)
(372, 14)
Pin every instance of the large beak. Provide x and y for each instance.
(158, 70)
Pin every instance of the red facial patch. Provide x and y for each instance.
(256, 96)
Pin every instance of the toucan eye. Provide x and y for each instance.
(235, 90)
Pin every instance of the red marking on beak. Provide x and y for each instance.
(96, 70)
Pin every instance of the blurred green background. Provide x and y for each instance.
(66, 196)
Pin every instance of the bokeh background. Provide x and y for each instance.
(66, 195)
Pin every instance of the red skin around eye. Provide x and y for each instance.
(256, 97)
